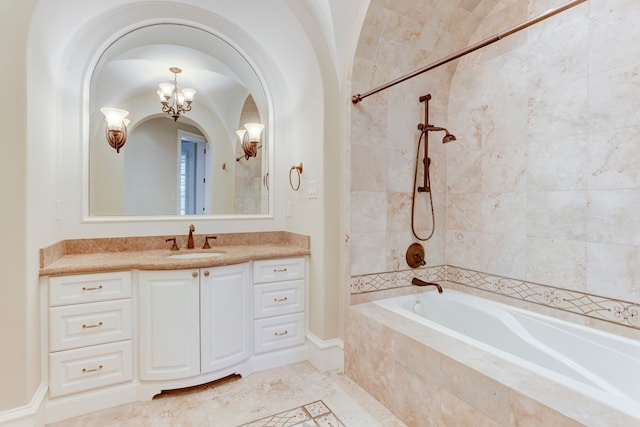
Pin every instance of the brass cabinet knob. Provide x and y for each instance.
(206, 273)
(194, 274)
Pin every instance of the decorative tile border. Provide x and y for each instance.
(315, 414)
(610, 310)
(395, 279)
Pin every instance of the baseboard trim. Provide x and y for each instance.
(28, 415)
(325, 355)
(83, 403)
(274, 359)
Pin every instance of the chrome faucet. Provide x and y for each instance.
(190, 241)
(419, 282)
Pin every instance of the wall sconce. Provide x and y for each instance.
(116, 128)
(249, 139)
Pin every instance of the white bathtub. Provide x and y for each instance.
(604, 366)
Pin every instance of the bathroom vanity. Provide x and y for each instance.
(122, 326)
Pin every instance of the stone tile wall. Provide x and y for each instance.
(542, 185)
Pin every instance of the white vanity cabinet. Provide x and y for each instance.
(278, 304)
(117, 337)
(225, 314)
(169, 324)
(90, 332)
(193, 322)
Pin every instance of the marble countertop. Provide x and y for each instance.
(152, 253)
(161, 259)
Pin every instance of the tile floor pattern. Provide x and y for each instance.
(235, 401)
(315, 414)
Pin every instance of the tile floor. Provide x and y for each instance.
(314, 414)
(254, 400)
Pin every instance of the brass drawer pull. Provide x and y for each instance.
(282, 270)
(280, 299)
(92, 326)
(279, 334)
(194, 274)
(86, 371)
(97, 288)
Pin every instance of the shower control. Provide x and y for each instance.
(415, 255)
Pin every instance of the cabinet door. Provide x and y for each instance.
(225, 311)
(169, 324)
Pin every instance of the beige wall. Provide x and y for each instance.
(43, 149)
(547, 157)
(15, 361)
(542, 184)
(397, 38)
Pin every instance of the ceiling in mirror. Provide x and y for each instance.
(193, 164)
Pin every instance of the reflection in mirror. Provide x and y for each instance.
(193, 164)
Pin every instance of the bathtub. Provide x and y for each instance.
(603, 366)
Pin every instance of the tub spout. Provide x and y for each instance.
(419, 282)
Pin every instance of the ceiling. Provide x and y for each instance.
(133, 66)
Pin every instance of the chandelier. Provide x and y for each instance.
(173, 99)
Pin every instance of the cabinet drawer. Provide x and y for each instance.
(272, 299)
(273, 270)
(82, 369)
(65, 290)
(278, 332)
(80, 325)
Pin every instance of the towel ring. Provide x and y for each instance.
(299, 170)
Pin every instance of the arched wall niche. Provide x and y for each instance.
(396, 39)
(72, 50)
(126, 76)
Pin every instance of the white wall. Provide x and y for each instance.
(19, 368)
(151, 168)
(46, 138)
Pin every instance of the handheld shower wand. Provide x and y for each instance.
(424, 129)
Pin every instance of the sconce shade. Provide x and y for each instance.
(166, 89)
(116, 128)
(249, 139)
(188, 94)
(254, 130)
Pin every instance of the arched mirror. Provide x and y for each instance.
(185, 153)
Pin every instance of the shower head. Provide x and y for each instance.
(448, 137)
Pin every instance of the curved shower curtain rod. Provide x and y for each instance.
(551, 12)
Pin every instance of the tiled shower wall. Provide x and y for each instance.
(543, 184)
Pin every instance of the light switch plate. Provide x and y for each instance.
(313, 189)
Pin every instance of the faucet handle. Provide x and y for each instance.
(174, 247)
(206, 242)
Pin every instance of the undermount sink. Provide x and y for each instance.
(197, 255)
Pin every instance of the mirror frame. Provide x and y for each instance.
(267, 118)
